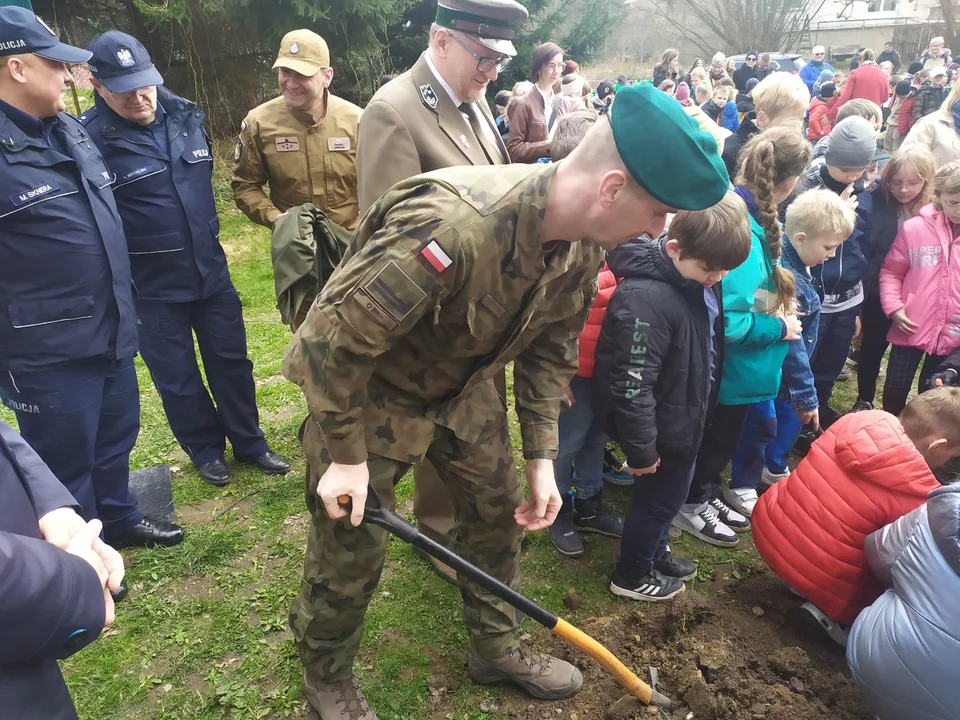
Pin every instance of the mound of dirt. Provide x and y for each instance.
(743, 653)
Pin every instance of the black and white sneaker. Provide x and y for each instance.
(674, 566)
(652, 587)
(736, 521)
(861, 405)
(703, 522)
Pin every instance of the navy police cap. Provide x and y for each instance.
(122, 63)
(22, 32)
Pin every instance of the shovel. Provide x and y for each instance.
(374, 512)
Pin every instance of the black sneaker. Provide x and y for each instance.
(590, 515)
(564, 535)
(673, 566)
(736, 521)
(652, 587)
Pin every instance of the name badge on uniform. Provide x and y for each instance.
(288, 144)
(34, 193)
(338, 144)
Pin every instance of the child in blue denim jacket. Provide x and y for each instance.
(817, 223)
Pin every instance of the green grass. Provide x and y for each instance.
(203, 632)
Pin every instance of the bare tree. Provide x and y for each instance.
(740, 25)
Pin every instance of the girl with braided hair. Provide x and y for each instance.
(760, 320)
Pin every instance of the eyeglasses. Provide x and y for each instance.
(553, 66)
(751, 59)
(147, 90)
(952, 203)
(485, 64)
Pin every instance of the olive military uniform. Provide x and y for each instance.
(304, 162)
(444, 283)
(412, 126)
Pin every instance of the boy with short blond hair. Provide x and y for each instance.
(869, 469)
(658, 363)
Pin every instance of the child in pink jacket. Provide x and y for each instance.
(920, 290)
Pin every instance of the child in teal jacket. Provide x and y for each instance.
(759, 321)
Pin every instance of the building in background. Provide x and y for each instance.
(843, 26)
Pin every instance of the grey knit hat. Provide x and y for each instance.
(853, 144)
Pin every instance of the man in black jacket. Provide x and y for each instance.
(55, 577)
(658, 359)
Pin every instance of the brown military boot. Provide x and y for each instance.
(541, 675)
(337, 701)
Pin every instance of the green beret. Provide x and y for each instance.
(665, 150)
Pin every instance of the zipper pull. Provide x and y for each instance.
(436, 314)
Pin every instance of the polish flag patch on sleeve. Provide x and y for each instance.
(435, 255)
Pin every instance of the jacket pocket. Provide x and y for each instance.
(340, 179)
(36, 313)
(154, 244)
(483, 316)
(215, 228)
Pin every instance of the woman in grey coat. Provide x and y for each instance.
(903, 649)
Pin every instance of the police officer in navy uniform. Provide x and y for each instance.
(67, 317)
(156, 148)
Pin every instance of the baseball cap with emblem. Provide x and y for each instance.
(122, 63)
(22, 33)
(304, 52)
(492, 23)
(685, 173)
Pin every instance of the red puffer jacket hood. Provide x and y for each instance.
(607, 283)
(810, 528)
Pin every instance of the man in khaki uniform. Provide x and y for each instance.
(304, 143)
(431, 117)
(449, 277)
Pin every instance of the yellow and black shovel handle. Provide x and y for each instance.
(375, 513)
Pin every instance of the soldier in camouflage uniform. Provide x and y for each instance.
(449, 277)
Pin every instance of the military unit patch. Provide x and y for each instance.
(429, 97)
(390, 296)
(287, 144)
(295, 48)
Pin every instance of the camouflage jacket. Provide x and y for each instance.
(444, 283)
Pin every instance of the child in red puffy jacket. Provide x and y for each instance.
(819, 123)
(867, 470)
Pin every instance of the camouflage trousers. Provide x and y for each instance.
(343, 564)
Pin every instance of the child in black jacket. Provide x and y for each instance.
(658, 359)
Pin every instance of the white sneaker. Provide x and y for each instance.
(835, 631)
(769, 477)
(703, 521)
(743, 500)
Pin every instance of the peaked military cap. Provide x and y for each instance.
(492, 23)
(685, 173)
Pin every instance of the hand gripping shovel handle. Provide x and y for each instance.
(375, 513)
